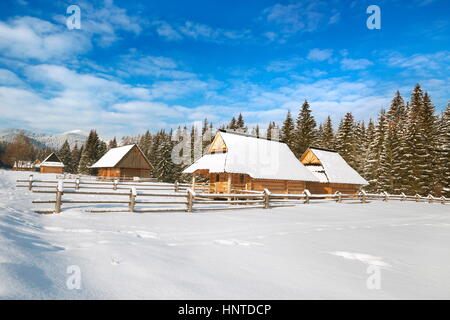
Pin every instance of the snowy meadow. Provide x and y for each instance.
(310, 251)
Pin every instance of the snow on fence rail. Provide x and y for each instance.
(189, 200)
(115, 184)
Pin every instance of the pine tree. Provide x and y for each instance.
(391, 151)
(370, 136)
(428, 178)
(92, 151)
(65, 156)
(443, 154)
(327, 135)
(112, 144)
(415, 143)
(288, 131)
(240, 124)
(76, 154)
(306, 133)
(145, 143)
(360, 151)
(232, 125)
(346, 139)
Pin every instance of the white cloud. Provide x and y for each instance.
(355, 64)
(198, 31)
(9, 78)
(299, 17)
(104, 23)
(320, 55)
(33, 38)
(136, 64)
(422, 63)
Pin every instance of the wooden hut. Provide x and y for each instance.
(236, 162)
(126, 161)
(51, 164)
(333, 172)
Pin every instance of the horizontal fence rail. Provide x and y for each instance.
(137, 198)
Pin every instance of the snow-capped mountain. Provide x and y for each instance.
(42, 140)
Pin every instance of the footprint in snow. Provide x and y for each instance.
(115, 261)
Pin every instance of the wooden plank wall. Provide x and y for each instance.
(134, 160)
(45, 169)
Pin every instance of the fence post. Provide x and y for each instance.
(190, 200)
(430, 198)
(115, 184)
(133, 194)
(266, 193)
(363, 196)
(339, 196)
(77, 183)
(386, 196)
(307, 195)
(177, 186)
(59, 193)
(403, 198)
(30, 183)
(443, 200)
(417, 197)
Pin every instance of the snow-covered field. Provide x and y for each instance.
(320, 250)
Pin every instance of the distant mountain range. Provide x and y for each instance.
(42, 140)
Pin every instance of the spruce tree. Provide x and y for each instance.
(391, 151)
(65, 156)
(415, 143)
(443, 153)
(288, 131)
(346, 139)
(112, 143)
(240, 123)
(306, 133)
(327, 135)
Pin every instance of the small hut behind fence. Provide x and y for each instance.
(123, 162)
(52, 164)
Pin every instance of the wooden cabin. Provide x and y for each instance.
(126, 161)
(236, 162)
(333, 172)
(52, 164)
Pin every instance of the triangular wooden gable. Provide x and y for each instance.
(134, 159)
(218, 145)
(52, 158)
(309, 157)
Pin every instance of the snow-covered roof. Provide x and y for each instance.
(112, 157)
(334, 168)
(52, 161)
(259, 158)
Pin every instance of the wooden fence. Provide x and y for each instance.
(186, 199)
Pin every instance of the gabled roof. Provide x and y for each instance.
(52, 161)
(112, 158)
(259, 158)
(333, 168)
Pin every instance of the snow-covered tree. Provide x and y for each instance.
(288, 131)
(306, 133)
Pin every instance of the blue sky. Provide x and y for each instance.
(138, 65)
